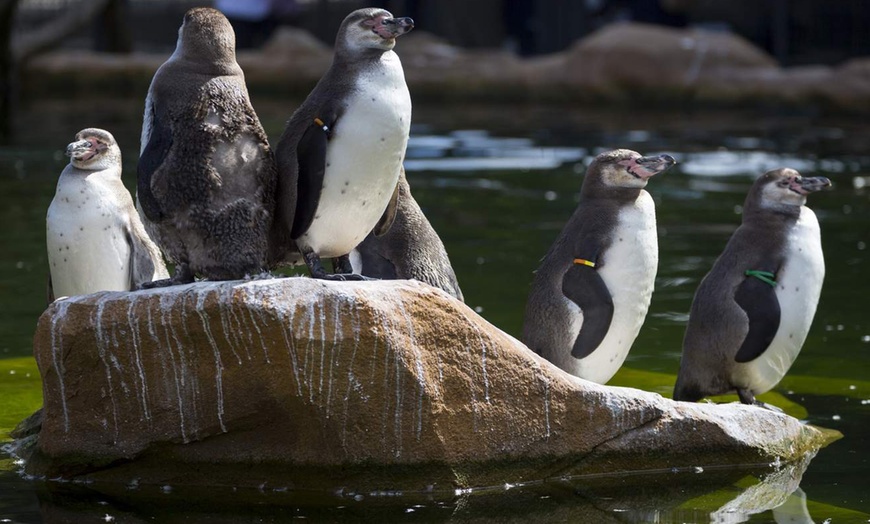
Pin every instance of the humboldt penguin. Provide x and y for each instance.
(95, 239)
(206, 172)
(753, 310)
(592, 290)
(340, 155)
(410, 249)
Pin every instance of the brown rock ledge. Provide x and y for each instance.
(314, 384)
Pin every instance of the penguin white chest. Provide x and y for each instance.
(363, 160)
(628, 268)
(799, 284)
(88, 250)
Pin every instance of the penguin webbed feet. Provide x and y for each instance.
(183, 275)
(341, 266)
(748, 397)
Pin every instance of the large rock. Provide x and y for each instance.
(372, 385)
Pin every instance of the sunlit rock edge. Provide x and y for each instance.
(624, 63)
(321, 385)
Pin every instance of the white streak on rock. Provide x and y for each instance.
(482, 356)
(101, 350)
(227, 328)
(352, 381)
(418, 358)
(334, 353)
(322, 350)
(546, 384)
(166, 303)
(142, 389)
(57, 347)
(200, 302)
(260, 335)
(239, 327)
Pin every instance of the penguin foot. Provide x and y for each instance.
(770, 407)
(164, 282)
(746, 396)
(342, 265)
(341, 277)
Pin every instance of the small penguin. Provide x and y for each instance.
(206, 172)
(753, 310)
(95, 239)
(340, 155)
(410, 249)
(591, 293)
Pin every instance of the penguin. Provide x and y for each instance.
(753, 310)
(341, 152)
(95, 239)
(206, 173)
(410, 249)
(590, 295)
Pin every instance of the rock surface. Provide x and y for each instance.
(620, 63)
(373, 385)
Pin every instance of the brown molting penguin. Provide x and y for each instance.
(410, 249)
(206, 172)
(340, 155)
(753, 310)
(590, 295)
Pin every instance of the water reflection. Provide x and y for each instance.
(691, 495)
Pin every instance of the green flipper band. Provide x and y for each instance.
(765, 276)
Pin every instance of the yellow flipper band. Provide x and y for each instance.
(584, 262)
(321, 124)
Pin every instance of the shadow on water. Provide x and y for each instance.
(498, 184)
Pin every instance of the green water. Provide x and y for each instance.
(496, 224)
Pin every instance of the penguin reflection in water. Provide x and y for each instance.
(206, 172)
(591, 293)
(341, 153)
(753, 310)
(95, 239)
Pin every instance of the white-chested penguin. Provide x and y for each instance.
(591, 293)
(340, 155)
(410, 249)
(206, 173)
(753, 310)
(95, 239)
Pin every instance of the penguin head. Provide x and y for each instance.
(94, 150)
(371, 29)
(206, 37)
(623, 168)
(784, 189)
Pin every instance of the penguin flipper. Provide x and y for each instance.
(145, 261)
(758, 300)
(152, 157)
(585, 287)
(389, 215)
(49, 290)
(311, 158)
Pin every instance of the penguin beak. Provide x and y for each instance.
(647, 166)
(78, 150)
(393, 27)
(85, 149)
(810, 184)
